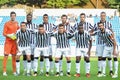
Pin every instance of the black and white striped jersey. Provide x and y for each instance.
(86, 26)
(49, 27)
(98, 39)
(24, 38)
(105, 36)
(32, 27)
(42, 39)
(82, 39)
(63, 39)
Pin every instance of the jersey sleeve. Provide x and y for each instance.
(5, 30)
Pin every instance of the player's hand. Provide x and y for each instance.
(12, 36)
(115, 53)
(88, 53)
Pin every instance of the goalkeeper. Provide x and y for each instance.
(10, 46)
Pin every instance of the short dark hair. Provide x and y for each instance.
(29, 14)
(100, 23)
(80, 25)
(64, 16)
(103, 13)
(41, 25)
(23, 23)
(82, 14)
(45, 15)
(12, 13)
(60, 25)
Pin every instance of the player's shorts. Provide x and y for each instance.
(41, 51)
(50, 49)
(82, 52)
(26, 50)
(108, 52)
(10, 47)
(32, 46)
(99, 50)
(62, 51)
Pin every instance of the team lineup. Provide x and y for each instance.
(34, 41)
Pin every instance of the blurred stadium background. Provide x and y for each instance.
(55, 8)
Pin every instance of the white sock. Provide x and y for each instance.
(25, 65)
(28, 66)
(60, 64)
(41, 66)
(68, 66)
(47, 64)
(77, 67)
(57, 66)
(18, 67)
(32, 65)
(110, 64)
(116, 67)
(104, 67)
(52, 66)
(35, 65)
(87, 66)
(99, 65)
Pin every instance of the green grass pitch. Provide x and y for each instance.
(83, 77)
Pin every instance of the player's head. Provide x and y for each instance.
(101, 26)
(64, 18)
(29, 18)
(82, 17)
(45, 18)
(12, 16)
(23, 26)
(41, 28)
(80, 28)
(61, 28)
(103, 16)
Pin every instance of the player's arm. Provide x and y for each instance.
(17, 40)
(70, 35)
(5, 30)
(114, 44)
(90, 45)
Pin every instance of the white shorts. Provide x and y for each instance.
(62, 51)
(24, 50)
(41, 51)
(99, 50)
(82, 52)
(108, 52)
(32, 46)
(50, 49)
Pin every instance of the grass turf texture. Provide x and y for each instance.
(83, 77)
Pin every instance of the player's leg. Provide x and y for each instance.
(47, 62)
(110, 63)
(99, 65)
(115, 67)
(51, 59)
(18, 63)
(60, 64)
(78, 59)
(7, 50)
(36, 56)
(28, 54)
(57, 58)
(24, 62)
(41, 64)
(87, 66)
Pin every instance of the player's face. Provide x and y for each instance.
(29, 18)
(13, 16)
(101, 27)
(103, 16)
(41, 30)
(45, 19)
(23, 27)
(64, 19)
(81, 30)
(61, 29)
(82, 18)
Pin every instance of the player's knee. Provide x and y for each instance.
(87, 60)
(50, 59)
(104, 58)
(28, 61)
(17, 60)
(35, 57)
(99, 58)
(32, 57)
(56, 61)
(109, 59)
(61, 57)
(5, 55)
(77, 61)
(41, 59)
(115, 59)
(68, 61)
